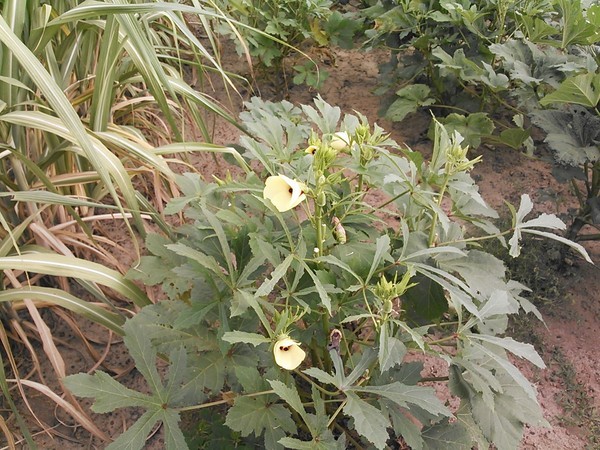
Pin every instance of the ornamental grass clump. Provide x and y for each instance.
(93, 101)
(294, 315)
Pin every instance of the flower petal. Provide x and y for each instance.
(288, 353)
(283, 192)
(340, 141)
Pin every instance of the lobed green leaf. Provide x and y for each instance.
(369, 421)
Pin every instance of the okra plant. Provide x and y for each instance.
(302, 295)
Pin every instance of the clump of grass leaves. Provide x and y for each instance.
(88, 93)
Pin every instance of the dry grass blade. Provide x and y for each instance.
(82, 418)
(45, 334)
(92, 352)
(10, 440)
(14, 367)
(50, 240)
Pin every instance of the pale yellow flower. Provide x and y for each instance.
(311, 150)
(284, 192)
(340, 141)
(288, 353)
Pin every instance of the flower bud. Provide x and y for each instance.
(340, 141)
(339, 232)
(321, 199)
(362, 133)
(388, 306)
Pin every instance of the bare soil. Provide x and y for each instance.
(569, 389)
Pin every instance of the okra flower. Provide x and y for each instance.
(288, 353)
(340, 141)
(311, 149)
(284, 192)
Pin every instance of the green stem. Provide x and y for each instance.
(319, 228)
(589, 237)
(326, 330)
(369, 310)
(430, 379)
(221, 402)
(319, 388)
(439, 203)
(334, 400)
(319, 225)
(578, 194)
(478, 238)
(393, 199)
(442, 340)
(335, 414)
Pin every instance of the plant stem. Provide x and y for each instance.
(425, 380)
(221, 402)
(319, 225)
(439, 202)
(589, 237)
(319, 228)
(439, 341)
(393, 199)
(478, 238)
(319, 388)
(335, 414)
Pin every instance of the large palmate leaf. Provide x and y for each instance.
(571, 134)
(581, 89)
(520, 349)
(403, 395)
(258, 416)
(234, 337)
(471, 127)
(369, 421)
(498, 422)
(444, 435)
(391, 349)
(322, 437)
(426, 301)
(577, 29)
(548, 221)
(109, 394)
(409, 99)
